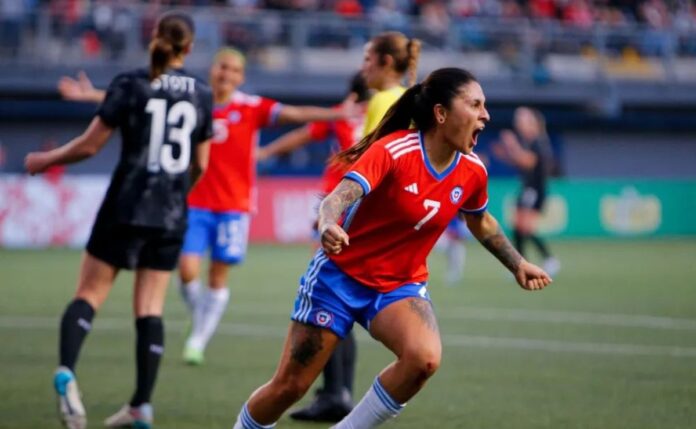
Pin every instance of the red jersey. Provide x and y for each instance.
(229, 182)
(347, 132)
(406, 207)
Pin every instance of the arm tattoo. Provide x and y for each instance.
(425, 310)
(502, 249)
(306, 343)
(346, 193)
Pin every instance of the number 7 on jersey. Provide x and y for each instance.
(434, 206)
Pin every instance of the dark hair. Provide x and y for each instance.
(358, 86)
(173, 35)
(403, 50)
(414, 106)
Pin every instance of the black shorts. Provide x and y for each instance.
(531, 198)
(130, 247)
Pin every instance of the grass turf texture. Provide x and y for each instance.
(611, 344)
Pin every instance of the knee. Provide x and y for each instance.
(217, 277)
(423, 362)
(188, 268)
(289, 389)
(187, 274)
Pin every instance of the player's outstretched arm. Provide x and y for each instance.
(85, 146)
(285, 143)
(487, 230)
(303, 114)
(80, 89)
(333, 237)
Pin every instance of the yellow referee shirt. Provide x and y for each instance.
(378, 106)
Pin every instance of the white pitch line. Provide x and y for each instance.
(570, 317)
(449, 340)
(522, 315)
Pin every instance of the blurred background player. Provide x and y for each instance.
(221, 202)
(377, 276)
(528, 149)
(219, 205)
(388, 59)
(453, 244)
(165, 118)
(341, 133)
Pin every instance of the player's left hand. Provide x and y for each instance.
(531, 277)
(36, 162)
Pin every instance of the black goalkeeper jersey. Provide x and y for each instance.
(537, 176)
(161, 122)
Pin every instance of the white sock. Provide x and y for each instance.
(245, 421)
(210, 306)
(375, 408)
(456, 258)
(189, 292)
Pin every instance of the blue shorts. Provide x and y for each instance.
(225, 233)
(329, 298)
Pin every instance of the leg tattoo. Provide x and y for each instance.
(306, 345)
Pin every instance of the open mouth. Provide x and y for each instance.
(474, 136)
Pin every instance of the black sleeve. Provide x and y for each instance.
(206, 115)
(113, 109)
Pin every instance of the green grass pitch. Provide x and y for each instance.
(611, 344)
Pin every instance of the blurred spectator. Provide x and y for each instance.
(13, 13)
(578, 13)
(543, 9)
(389, 15)
(656, 40)
(348, 8)
(435, 21)
(105, 28)
(3, 156)
(510, 9)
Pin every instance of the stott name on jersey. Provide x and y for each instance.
(174, 83)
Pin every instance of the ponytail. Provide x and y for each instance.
(398, 117)
(405, 52)
(173, 36)
(413, 48)
(161, 52)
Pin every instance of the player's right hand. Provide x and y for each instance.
(36, 162)
(333, 238)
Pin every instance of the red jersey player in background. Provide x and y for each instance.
(343, 133)
(220, 203)
(377, 228)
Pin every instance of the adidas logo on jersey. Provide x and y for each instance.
(412, 188)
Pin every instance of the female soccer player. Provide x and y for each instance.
(334, 400)
(528, 150)
(165, 118)
(377, 228)
(388, 59)
(219, 205)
